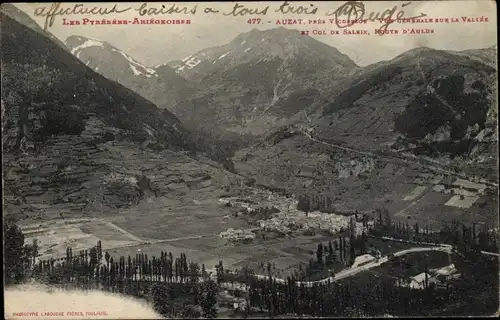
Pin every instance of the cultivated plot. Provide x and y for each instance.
(79, 234)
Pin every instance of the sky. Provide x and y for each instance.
(157, 44)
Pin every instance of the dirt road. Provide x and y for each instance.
(375, 155)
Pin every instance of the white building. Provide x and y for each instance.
(418, 281)
(446, 273)
(362, 260)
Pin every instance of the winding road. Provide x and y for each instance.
(375, 155)
(346, 273)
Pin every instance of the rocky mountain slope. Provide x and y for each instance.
(160, 85)
(253, 83)
(76, 143)
(487, 55)
(427, 103)
(255, 45)
(25, 19)
(261, 78)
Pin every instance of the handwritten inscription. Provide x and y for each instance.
(77, 9)
(354, 12)
(346, 15)
(171, 9)
(241, 10)
(286, 8)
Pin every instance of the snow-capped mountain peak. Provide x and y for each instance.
(262, 45)
(88, 42)
(96, 54)
(136, 67)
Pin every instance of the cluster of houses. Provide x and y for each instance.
(287, 221)
(237, 235)
(438, 277)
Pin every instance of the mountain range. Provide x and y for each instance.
(160, 85)
(87, 108)
(429, 104)
(75, 142)
(263, 80)
(253, 83)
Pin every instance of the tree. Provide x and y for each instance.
(304, 203)
(319, 253)
(204, 273)
(352, 228)
(362, 242)
(333, 256)
(220, 271)
(34, 250)
(341, 248)
(161, 295)
(208, 299)
(16, 256)
(247, 275)
(107, 256)
(194, 274)
(387, 218)
(383, 217)
(99, 251)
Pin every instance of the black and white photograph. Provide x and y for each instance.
(280, 159)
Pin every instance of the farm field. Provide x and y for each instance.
(283, 253)
(410, 192)
(78, 234)
(190, 221)
(193, 214)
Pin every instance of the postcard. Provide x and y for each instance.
(250, 159)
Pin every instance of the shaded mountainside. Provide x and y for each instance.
(40, 80)
(441, 102)
(78, 143)
(162, 85)
(25, 19)
(488, 55)
(426, 103)
(260, 79)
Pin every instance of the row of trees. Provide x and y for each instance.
(139, 276)
(344, 249)
(375, 295)
(181, 288)
(471, 237)
(482, 236)
(308, 202)
(335, 299)
(18, 256)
